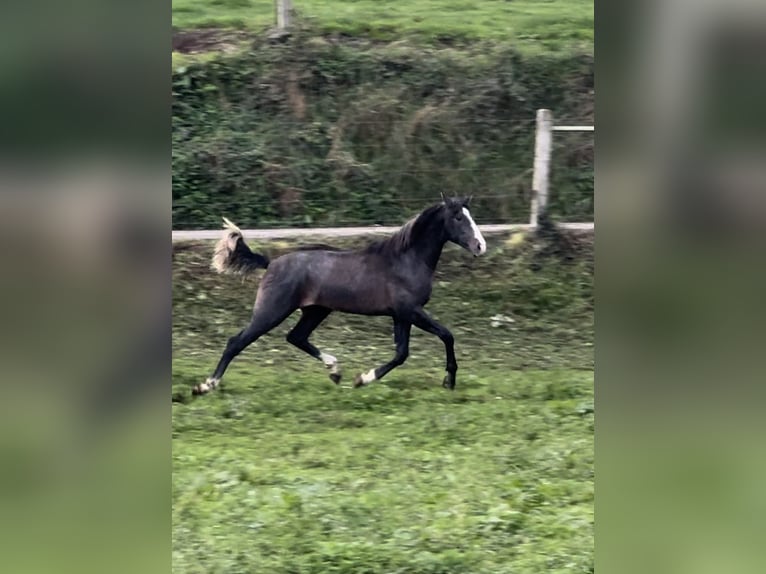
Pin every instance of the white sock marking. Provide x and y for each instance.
(476, 232)
(330, 362)
(208, 385)
(369, 376)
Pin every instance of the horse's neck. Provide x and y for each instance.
(431, 258)
(429, 247)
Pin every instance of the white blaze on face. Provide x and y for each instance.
(476, 233)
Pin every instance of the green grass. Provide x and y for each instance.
(533, 25)
(284, 472)
(281, 471)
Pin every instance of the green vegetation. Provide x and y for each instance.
(318, 132)
(534, 26)
(371, 109)
(281, 471)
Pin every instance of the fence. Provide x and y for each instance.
(284, 13)
(503, 190)
(543, 151)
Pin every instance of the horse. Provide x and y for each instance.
(390, 277)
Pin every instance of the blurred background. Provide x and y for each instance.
(681, 191)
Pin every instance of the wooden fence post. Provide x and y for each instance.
(543, 144)
(284, 9)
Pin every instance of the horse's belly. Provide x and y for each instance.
(347, 299)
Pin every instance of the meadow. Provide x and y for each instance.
(281, 471)
(538, 26)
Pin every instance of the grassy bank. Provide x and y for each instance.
(316, 131)
(281, 471)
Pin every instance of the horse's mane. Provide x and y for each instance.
(407, 234)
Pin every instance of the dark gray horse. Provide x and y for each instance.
(389, 277)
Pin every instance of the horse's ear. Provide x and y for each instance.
(444, 199)
(467, 201)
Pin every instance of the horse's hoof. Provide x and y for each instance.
(206, 387)
(449, 382)
(335, 378)
(358, 382)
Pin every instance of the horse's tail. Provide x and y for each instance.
(233, 256)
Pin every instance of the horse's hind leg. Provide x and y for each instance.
(311, 317)
(265, 318)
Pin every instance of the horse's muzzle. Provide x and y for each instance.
(477, 247)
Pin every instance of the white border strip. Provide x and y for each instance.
(574, 128)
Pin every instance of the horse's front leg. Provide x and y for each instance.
(423, 321)
(402, 340)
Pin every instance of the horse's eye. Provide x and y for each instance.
(458, 216)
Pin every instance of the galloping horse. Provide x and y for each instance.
(390, 277)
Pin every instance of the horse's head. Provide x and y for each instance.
(460, 226)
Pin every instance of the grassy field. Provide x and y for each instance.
(533, 25)
(281, 471)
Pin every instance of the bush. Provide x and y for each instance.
(318, 132)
